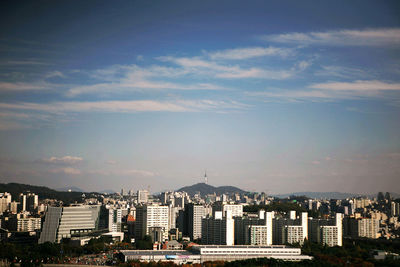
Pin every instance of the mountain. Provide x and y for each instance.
(330, 195)
(206, 189)
(72, 188)
(44, 192)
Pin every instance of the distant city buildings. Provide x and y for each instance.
(222, 221)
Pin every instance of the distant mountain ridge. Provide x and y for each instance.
(44, 192)
(206, 189)
(72, 188)
(330, 195)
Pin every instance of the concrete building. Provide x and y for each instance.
(142, 196)
(5, 200)
(254, 231)
(151, 216)
(14, 207)
(32, 202)
(368, 227)
(201, 254)
(65, 222)
(394, 209)
(326, 231)
(193, 218)
(233, 253)
(115, 220)
(27, 224)
(218, 230)
(235, 209)
(290, 230)
(22, 202)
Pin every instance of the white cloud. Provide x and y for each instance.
(340, 72)
(331, 91)
(200, 66)
(63, 160)
(55, 73)
(129, 172)
(359, 85)
(67, 170)
(137, 85)
(23, 86)
(345, 37)
(126, 106)
(131, 78)
(292, 94)
(249, 52)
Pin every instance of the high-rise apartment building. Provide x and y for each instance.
(235, 209)
(20, 224)
(193, 217)
(148, 216)
(115, 220)
(218, 230)
(32, 202)
(368, 227)
(5, 200)
(290, 230)
(22, 202)
(326, 231)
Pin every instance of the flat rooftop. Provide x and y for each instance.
(239, 246)
(155, 252)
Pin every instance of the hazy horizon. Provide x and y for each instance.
(273, 96)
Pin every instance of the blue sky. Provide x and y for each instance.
(274, 96)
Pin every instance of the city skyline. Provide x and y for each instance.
(273, 96)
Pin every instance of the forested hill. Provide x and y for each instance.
(44, 192)
(206, 189)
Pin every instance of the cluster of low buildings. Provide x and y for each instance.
(217, 227)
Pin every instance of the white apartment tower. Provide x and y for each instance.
(115, 220)
(262, 234)
(150, 216)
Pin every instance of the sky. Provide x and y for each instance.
(272, 96)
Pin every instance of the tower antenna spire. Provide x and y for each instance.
(205, 177)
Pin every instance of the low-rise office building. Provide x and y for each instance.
(205, 253)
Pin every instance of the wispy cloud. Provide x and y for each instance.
(345, 37)
(137, 85)
(129, 172)
(23, 86)
(340, 72)
(67, 170)
(53, 74)
(331, 91)
(201, 66)
(359, 85)
(131, 78)
(292, 95)
(65, 160)
(126, 106)
(249, 52)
